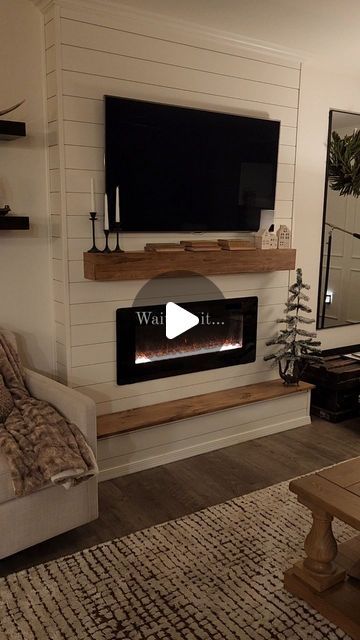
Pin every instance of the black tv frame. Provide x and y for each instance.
(250, 215)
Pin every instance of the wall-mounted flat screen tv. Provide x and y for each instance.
(187, 170)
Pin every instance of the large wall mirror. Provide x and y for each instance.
(339, 286)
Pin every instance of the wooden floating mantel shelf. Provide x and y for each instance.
(142, 265)
(112, 424)
(14, 223)
(9, 129)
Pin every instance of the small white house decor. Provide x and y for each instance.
(266, 239)
(283, 237)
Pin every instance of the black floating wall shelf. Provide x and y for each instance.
(9, 130)
(14, 223)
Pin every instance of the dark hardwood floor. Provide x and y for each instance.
(143, 499)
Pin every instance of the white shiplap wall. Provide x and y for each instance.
(57, 190)
(91, 54)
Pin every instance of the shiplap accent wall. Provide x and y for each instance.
(89, 54)
(57, 191)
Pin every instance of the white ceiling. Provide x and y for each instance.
(327, 30)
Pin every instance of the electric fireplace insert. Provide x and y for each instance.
(225, 336)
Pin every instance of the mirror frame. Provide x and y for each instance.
(320, 315)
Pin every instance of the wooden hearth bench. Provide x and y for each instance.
(324, 578)
(151, 415)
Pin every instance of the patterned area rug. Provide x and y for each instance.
(212, 575)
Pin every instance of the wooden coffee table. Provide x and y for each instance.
(323, 578)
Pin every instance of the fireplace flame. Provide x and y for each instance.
(186, 350)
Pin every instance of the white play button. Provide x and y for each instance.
(178, 320)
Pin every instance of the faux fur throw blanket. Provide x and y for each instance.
(40, 445)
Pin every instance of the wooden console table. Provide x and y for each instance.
(322, 578)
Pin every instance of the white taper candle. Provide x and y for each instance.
(117, 205)
(92, 191)
(106, 213)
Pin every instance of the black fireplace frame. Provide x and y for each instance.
(128, 372)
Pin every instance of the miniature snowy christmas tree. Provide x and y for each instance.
(297, 346)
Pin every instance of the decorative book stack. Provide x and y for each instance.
(236, 245)
(200, 245)
(164, 246)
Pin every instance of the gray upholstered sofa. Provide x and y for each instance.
(29, 520)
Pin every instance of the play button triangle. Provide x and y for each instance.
(178, 320)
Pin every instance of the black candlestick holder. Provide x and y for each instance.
(94, 248)
(118, 249)
(106, 248)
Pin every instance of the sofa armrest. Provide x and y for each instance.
(75, 406)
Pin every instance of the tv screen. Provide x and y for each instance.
(181, 169)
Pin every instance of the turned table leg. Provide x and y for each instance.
(320, 545)
(319, 569)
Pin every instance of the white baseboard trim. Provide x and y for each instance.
(180, 452)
